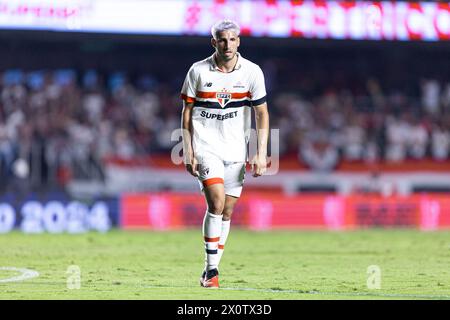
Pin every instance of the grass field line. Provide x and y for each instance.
(25, 274)
(262, 290)
(343, 294)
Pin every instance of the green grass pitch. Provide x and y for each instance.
(255, 265)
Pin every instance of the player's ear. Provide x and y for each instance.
(238, 41)
(213, 42)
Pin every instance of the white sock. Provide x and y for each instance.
(212, 226)
(223, 237)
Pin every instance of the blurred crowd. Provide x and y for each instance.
(56, 125)
(371, 127)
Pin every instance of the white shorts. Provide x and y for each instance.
(214, 170)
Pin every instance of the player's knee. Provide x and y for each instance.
(216, 206)
(227, 212)
(226, 216)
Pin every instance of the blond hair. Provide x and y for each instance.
(225, 25)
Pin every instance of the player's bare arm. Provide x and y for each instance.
(186, 124)
(259, 161)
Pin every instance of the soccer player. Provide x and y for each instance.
(218, 94)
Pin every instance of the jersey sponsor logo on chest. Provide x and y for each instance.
(223, 98)
(238, 85)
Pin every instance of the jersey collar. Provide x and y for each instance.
(214, 67)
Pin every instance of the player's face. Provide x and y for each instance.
(226, 44)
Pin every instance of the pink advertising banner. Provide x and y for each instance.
(260, 211)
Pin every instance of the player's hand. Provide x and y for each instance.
(259, 165)
(192, 167)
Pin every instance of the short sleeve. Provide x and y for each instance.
(188, 90)
(258, 87)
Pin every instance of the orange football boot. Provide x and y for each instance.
(211, 279)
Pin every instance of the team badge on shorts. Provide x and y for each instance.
(203, 171)
(223, 98)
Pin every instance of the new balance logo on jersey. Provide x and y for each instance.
(208, 84)
(223, 98)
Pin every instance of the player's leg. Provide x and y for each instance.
(230, 202)
(234, 181)
(212, 182)
(212, 223)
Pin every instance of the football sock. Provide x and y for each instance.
(223, 237)
(212, 226)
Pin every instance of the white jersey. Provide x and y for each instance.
(221, 116)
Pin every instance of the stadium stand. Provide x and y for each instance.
(339, 109)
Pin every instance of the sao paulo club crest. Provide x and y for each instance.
(223, 98)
